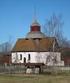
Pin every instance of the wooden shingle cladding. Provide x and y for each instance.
(34, 45)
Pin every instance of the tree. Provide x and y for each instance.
(53, 28)
(6, 46)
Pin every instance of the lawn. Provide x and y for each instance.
(20, 78)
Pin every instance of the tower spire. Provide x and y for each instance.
(35, 17)
(35, 26)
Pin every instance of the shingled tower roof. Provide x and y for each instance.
(35, 31)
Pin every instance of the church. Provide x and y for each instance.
(36, 49)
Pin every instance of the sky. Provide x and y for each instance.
(16, 16)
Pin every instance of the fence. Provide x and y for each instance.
(63, 70)
(12, 69)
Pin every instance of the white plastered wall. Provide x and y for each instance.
(38, 57)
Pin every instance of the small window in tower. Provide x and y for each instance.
(29, 57)
(20, 56)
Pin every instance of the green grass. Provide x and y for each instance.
(20, 78)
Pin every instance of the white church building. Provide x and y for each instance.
(36, 48)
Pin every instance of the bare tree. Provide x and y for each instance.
(53, 27)
(6, 46)
(52, 58)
